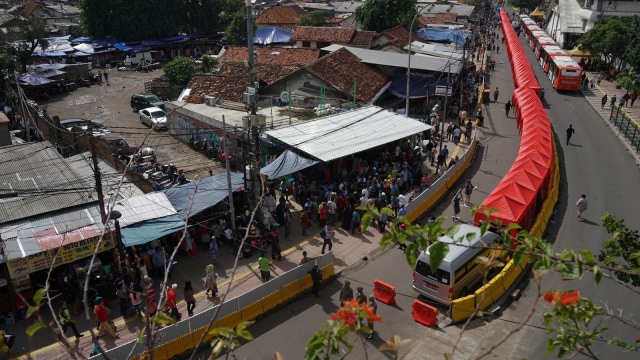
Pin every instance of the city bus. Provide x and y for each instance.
(529, 29)
(542, 41)
(564, 73)
(546, 52)
(535, 35)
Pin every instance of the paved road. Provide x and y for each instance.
(597, 164)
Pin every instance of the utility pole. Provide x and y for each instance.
(96, 172)
(444, 112)
(232, 208)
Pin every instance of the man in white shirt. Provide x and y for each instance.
(403, 200)
(331, 204)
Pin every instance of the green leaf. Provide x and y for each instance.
(218, 346)
(597, 274)
(32, 310)
(40, 295)
(437, 252)
(33, 328)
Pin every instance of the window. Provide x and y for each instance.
(440, 275)
(306, 44)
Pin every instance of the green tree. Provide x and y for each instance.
(526, 4)
(179, 71)
(380, 15)
(25, 37)
(629, 79)
(315, 18)
(7, 66)
(622, 250)
(236, 32)
(608, 38)
(632, 51)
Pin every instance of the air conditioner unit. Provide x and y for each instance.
(256, 120)
(210, 100)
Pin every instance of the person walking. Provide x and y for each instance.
(152, 304)
(65, 320)
(633, 97)
(570, 132)
(603, 101)
(581, 205)
(135, 296)
(316, 277)
(456, 205)
(210, 280)
(106, 77)
(346, 293)
(188, 297)
(374, 309)
(102, 316)
(507, 108)
(325, 233)
(468, 189)
(613, 101)
(304, 222)
(214, 250)
(305, 259)
(172, 302)
(496, 93)
(355, 222)
(265, 267)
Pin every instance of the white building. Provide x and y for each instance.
(569, 19)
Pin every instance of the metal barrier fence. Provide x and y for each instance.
(190, 328)
(627, 126)
(439, 188)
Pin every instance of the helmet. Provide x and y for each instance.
(180, 171)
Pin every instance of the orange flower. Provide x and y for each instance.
(566, 298)
(370, 315)
(570, 297)
(345, 316)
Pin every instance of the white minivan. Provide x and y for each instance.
(460, 272)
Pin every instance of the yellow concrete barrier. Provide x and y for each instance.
(179, 346)
(511, 273)
(251, 311)
(328, 271)
(271, 301)
(305, 283)
(290, 290)
(460, 309)
(230, 320)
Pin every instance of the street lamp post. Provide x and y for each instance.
(406, 105)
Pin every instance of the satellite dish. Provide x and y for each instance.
(284, 96)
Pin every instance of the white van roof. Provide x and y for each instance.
(461, 238)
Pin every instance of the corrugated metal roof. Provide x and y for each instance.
(386, 58)
(83, 166)
(20, 236)
(145, 207)
(35, 180)
(348, 133)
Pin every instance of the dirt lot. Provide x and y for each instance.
(109, 104)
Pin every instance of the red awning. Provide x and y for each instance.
(49, 239)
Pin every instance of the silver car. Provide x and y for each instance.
(98, 128)
(154, 117)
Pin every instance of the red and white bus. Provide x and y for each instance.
(535, 35)
(543, 41)
(564, 73)
(546, 52)
(528, 29)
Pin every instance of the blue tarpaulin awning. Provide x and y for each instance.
(197, 196)
(443, 35)
(33, 79)
(287, 163)
(418, 85)
(272, 35)
(149, 230)
(122, 46)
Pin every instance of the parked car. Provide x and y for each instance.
(154, 117)
(98, 128)
(118, 145)
(143, 101)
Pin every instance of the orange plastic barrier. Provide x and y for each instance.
(384, 292)
(424, 314)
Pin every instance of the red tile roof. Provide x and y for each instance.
(341, 67)
(266, 73)
(227, 86)
(323, 34)
(288, 14)
(398, 35)
(282, 56)
(440, 18)
(29, 8)
(363, 38)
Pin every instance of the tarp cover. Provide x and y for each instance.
(443, 35)
(287, 163)
(272, 35)
(418, 85)
(33, 79)
(149, 230)
(205, 193)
